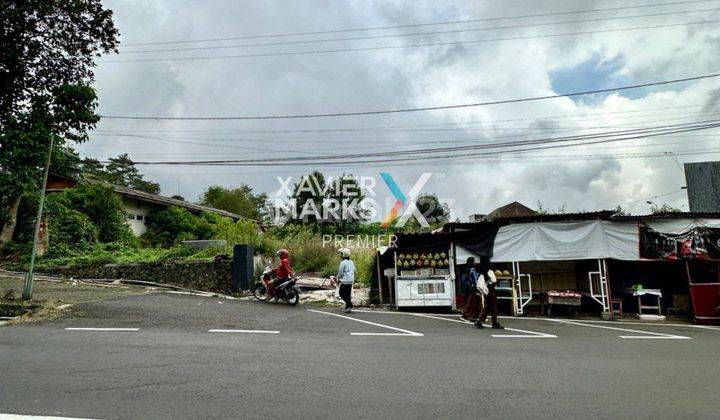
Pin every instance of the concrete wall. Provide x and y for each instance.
(198, 275)
(135, 215)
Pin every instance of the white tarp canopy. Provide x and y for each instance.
(677, 226)
(567, 241)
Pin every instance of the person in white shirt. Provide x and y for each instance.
(486, 285)
(346, 277)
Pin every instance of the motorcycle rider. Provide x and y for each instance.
(282, 272)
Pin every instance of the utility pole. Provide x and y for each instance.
(27, 291)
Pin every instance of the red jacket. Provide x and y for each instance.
(283, 270)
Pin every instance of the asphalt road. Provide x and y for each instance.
(290, 362)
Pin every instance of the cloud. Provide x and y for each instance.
(395, 78)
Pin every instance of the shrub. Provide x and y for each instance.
(67, 227)
(172, 225)
(245, 232)
(103, 207)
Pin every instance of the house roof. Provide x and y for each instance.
(567, 217)
(514, 209)
(164, 201)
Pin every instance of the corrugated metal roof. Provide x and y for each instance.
(568, 217)
(164, 201)
(670, 215)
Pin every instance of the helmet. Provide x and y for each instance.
(344, 252)
(282, 253)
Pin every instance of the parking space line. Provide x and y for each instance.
(649, 334)
(101, 329)
(527, 334)
(403, 333)
(245, 331)
(4, 416)
(449, 317)
(654, 324)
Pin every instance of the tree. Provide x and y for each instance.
(92, 167)
(122, 171)
(48, 44)
(619, 211)
(308, 195)
(47, 51)
(346, 196)
(241, 200)
(65, 115)
(663, 208)
(432, 209)
(541, 210)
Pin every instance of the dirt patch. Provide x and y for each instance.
(332, 298)
(51, 296)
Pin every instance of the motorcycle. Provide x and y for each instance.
(288, 290)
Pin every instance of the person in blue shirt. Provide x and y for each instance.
(469, 285)
(346, 277)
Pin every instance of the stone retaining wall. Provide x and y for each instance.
(199, 275)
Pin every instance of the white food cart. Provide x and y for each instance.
(424, 283)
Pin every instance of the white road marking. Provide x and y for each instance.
(654, 324)
(649, 334)
(245, 331)
(527, 334)
(404, 333)
(23, 417)
(595, 321)
(101, 329)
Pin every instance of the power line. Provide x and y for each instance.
(433, 108)
(652, 111)
(445, 32)
(696, 138)
(622, 155)
(416, 154)
(415, 25)
(431, 44)
(373, 131)
(655, 196)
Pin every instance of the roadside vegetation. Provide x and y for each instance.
(86, 225)
(86, 228)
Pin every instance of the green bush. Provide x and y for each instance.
(66, 226)
(245, 232)
(308, 254)
(173, 225)
(103, 207)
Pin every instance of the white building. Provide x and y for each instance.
(138, 204)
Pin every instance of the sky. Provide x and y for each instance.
(597, 52)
